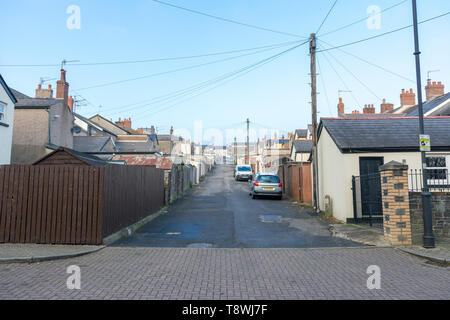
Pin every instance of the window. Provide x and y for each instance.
(2, 111)
(436, 169)
(268, 179)
(436, 162)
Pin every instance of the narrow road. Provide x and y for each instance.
(249, 265)
(220, 213)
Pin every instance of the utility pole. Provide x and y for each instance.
(312, 50)
(247, 161)
(235, 151)
(428, 237)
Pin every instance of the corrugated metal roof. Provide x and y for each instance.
(159, 162)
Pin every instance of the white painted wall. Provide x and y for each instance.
(6, 132)
(301, 157)
(336, 170)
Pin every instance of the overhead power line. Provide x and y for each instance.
(326, 17)
(383, 34)
(324, 86)
(154, 59)
(354, 76)
(180, 69)
(342, 80)
(229, 20)
(221, 80)
(362, 20)
(370, 63)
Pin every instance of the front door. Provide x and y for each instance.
(371, 200)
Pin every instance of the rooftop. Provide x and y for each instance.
(353, 135)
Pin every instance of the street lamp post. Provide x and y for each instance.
(428, 237)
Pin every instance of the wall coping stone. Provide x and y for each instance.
(393, 165)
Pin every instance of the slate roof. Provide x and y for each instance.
(430, 105)
(301, 133)
(413, 111)
(94, 124)
(18, 95)
(168, 137)
(303, 146)
(136, 146)
(386, 134)
(8, 90)
(37, 102)
(90, 143)
(108, 121)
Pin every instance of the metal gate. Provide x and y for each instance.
(367, 199)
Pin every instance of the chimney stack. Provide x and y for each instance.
(171, 130)
(340, 106)
(407, 98)
(126, 123)
(434, 90)
(44, 93)
(62, 88)
(369, 109)
(356, 112)
(386, 107)
(70, 103)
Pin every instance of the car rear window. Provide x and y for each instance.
(268, 179)
(244, 169)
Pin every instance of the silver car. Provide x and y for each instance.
(265, 184)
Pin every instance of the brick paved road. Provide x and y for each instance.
(184, 273)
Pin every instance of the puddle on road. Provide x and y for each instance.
(270, 218)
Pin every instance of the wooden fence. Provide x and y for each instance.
(297, 183)
(74, 204)
(130, 194)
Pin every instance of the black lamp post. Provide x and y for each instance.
(428, 237)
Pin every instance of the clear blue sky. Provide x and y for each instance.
(277, 95)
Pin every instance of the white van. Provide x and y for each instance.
(243, 172)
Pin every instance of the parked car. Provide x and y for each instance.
(243, 172)
(265, 184)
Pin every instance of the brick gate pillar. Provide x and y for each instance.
(395, 195)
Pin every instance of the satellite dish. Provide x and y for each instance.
(76, 129)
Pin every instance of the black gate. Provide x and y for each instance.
(367, 199)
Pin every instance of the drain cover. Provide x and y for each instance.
(200, 245)
(270, 218)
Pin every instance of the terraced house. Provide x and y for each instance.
(7, 101)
